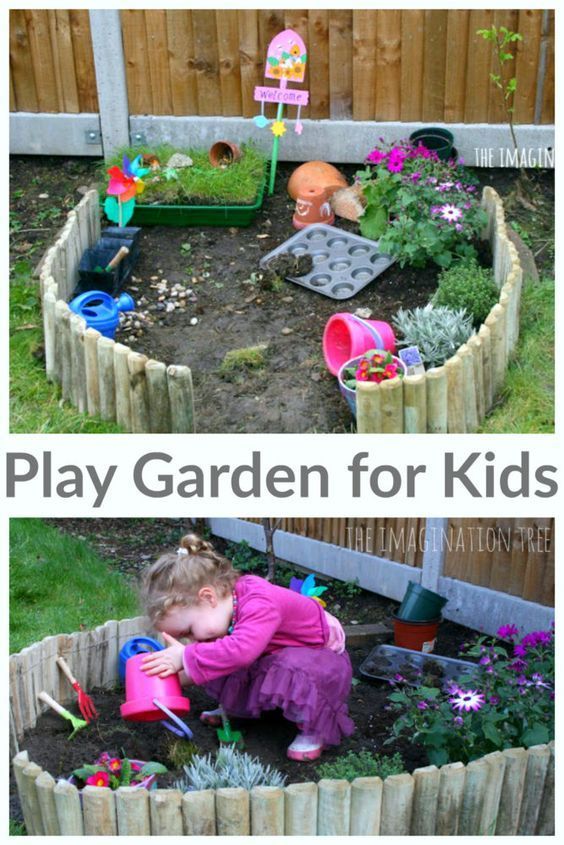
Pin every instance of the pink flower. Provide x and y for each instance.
(135, 767)
(458, 721)
(538, 681)
(422, 705)
(519, 650)
(99, 779)
(395, 165)
(375, 157)
(459, 227)
(114, 765)
(415, 177)
(494, 699)
(450, 213)
(507, 632)
(543, 638)
(467, 700)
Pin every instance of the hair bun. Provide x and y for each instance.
(194, 545)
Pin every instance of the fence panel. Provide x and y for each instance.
(371, 64)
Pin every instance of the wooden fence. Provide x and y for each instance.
(507, 793)
(513, 555)
(97, 375)
(456, 396)
(385, 65)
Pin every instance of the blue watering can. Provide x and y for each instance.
(101, 311)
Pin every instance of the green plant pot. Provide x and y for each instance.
(420, 604)
(436, 139)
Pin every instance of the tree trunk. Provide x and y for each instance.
(270, 525)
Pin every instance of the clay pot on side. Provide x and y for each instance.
(312, 206)
(315, 174)
(224, 153)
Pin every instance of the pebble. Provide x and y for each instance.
(43, 196)
(287, 330)
(193, 321)
(170, 307)
(354, 622)
(287, 299)
(363, 313)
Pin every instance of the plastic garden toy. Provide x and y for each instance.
(136, 645)
(100, 310)
(123, 187)
(308, 587)
(226, 734)
(149, 697)
(285, 61)
(76, 723)
(85, 703)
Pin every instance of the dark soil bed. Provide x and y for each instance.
(266, 738)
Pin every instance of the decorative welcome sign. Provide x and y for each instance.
(285, 61)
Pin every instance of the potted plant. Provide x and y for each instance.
(375, 365)
(113, 772)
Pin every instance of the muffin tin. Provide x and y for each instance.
(343, 263)
(386, 661)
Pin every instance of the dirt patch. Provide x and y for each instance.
(226, 308)
(266, 738)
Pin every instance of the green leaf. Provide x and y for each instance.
(537, 734)
(373, 222)
(152, 769)
(125, 772)
(492, 733)
(273, 62)
(437, 756)
(86, 771)
(443, 259)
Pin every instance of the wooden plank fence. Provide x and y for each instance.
(455, 397)
(513, 555)
(506, 793)
(97, 375)
(384, 65)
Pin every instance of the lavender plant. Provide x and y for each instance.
(230, 768)
(508, 701)
(437, 331)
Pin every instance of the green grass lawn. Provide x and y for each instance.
(59, 585)
(526, 404)
(35, 404)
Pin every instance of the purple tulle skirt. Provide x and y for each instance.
(309, 685)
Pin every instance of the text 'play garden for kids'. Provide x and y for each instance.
(414, 658)
(204, 280)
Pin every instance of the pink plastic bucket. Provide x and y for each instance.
(141, 689)
(347, 336)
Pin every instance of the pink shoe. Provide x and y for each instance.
(305, 747)
(211, 717)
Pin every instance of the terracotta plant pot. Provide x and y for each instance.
(312, 206)
(224, 153)
(315, 174)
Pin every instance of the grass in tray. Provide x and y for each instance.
(53, 579)
(201, 184)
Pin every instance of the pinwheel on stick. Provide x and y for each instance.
(124, 185)
(308, 587)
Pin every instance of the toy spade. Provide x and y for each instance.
(226, 735)
(77, 723)
(118, 257)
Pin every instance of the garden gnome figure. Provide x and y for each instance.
(312, 206)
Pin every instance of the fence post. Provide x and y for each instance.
(111, 82)
(434, 553)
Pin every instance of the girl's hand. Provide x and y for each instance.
(336, 640)
(167, 662)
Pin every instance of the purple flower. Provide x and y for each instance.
(458, 721)
(422, 705)
(535, 638)
(375, 157)
(538, 681)
(450, 213)
(467, 700)
(518, 665)
(521, 681)
(519, 650)
(507, 632)
(485, 660)
(452, 688)
(470, 189)
(494, 699)
(435, 209)
(415, 176)
(459, 227)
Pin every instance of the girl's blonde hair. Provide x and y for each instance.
(177, 577)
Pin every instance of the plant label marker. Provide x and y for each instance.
(286, 60)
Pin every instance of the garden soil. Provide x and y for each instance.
(129, 545)
(227, 309)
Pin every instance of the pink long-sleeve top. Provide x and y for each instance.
(268, 618)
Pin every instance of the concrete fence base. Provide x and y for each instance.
(456, 397)
(97, 375)
(507, 793)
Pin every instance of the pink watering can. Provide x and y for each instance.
(149, 698)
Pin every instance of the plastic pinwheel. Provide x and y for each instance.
(307, 587)
(124, 185)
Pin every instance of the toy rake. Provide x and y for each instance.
(85, 703)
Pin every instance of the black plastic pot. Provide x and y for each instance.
(436, 139)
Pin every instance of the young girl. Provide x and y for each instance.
(254, 646)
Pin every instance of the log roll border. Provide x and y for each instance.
(457, 396)
(97, 375)
(507, 793)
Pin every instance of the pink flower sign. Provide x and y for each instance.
(286, 57)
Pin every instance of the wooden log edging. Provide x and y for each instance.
(457, 396)
(141, 396)
(506, 793)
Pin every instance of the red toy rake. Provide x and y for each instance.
(85, 703)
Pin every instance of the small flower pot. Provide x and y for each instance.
(312, 206)
(435, 138)
(420, 604)
(224, 153)
(418, 636)
(348, 392)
